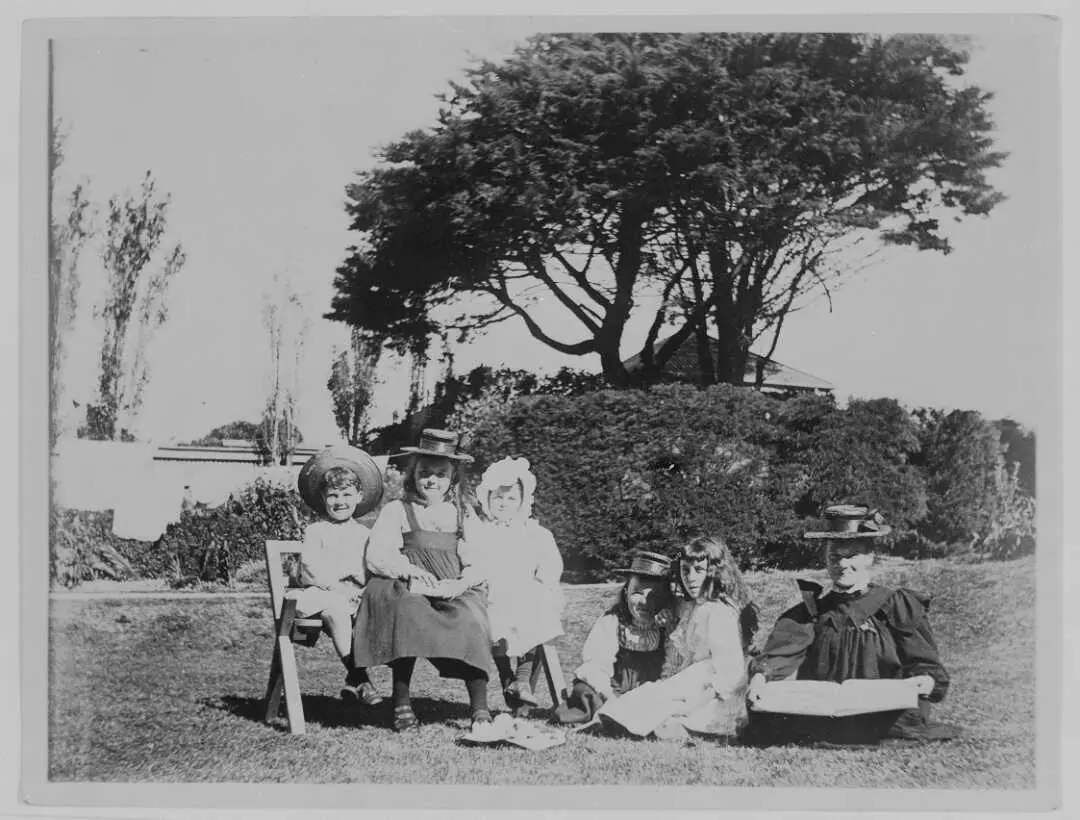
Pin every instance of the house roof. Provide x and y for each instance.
(683, 365)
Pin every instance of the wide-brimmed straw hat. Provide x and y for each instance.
(441, 443)
(368, 474)
(650, 564)
(844, 522)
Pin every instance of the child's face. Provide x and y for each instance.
(643, 596)
(849, 564)
(505, 502)
(433, 478)
(694, 571)
(341, 502)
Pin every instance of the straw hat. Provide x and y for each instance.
(368, 474)
(651, 564)
(441, 443)
(850, 522)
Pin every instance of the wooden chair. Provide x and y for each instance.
(288, 629)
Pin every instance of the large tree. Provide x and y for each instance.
(135, 304)
(710, 179)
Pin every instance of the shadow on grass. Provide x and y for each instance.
(323, 710)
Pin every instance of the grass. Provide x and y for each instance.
(171, 691)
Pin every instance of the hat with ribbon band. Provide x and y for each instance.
(440, 443)
(650, 564)
(850, 521)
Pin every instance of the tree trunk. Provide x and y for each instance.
(626, 269)
(706, 369)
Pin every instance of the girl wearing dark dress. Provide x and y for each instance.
(625, 647)
(424, 599)
(859, 630)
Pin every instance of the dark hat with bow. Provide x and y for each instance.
(850, 522)
(649, 564)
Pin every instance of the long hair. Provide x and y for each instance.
(456, 495)
(723, 581)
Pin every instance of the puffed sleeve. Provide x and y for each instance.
(725, 648)
(787, 645)
(907, 619)
(598, 655)
(384, 556)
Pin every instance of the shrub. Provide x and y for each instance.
(83, 548)
(627, 469)
(210, 545)
(1011, 533)
(960, 454)
(862, 454)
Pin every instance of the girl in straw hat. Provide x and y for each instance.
(340, 484)
(425, 598)
(625, 647)
(523, 568)
(858, 630)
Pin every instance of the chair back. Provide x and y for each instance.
(278, 578)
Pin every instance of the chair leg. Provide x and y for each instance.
(275, 686)
(294, 705)
(553, 673)
(285, 658)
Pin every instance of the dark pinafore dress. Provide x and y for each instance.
(393, 622)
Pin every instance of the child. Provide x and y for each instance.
(340, 484)
(424, 601)
(523, 568)
(625, 647)
(702, 682)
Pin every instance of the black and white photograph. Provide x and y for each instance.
(667, 405)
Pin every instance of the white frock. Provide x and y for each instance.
(523, 568)
(705, 677)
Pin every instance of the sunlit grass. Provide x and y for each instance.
(167, 690)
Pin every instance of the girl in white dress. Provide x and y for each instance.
(523, 566)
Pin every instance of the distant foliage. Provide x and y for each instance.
(210, 545)
(236, 430)
(83, 548)
(1011, 533)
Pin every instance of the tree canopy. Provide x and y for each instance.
(711, 179)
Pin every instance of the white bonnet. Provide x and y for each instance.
(505, 473)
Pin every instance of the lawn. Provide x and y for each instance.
(152, 690)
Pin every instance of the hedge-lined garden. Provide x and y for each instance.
(633, 469)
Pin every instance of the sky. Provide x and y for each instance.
(255, 131)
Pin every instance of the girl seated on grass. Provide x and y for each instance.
(703, 680)
(625, 647)
(523, 568)
(424, 598)
(340, 484)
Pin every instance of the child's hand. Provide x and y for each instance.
(924, 684)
